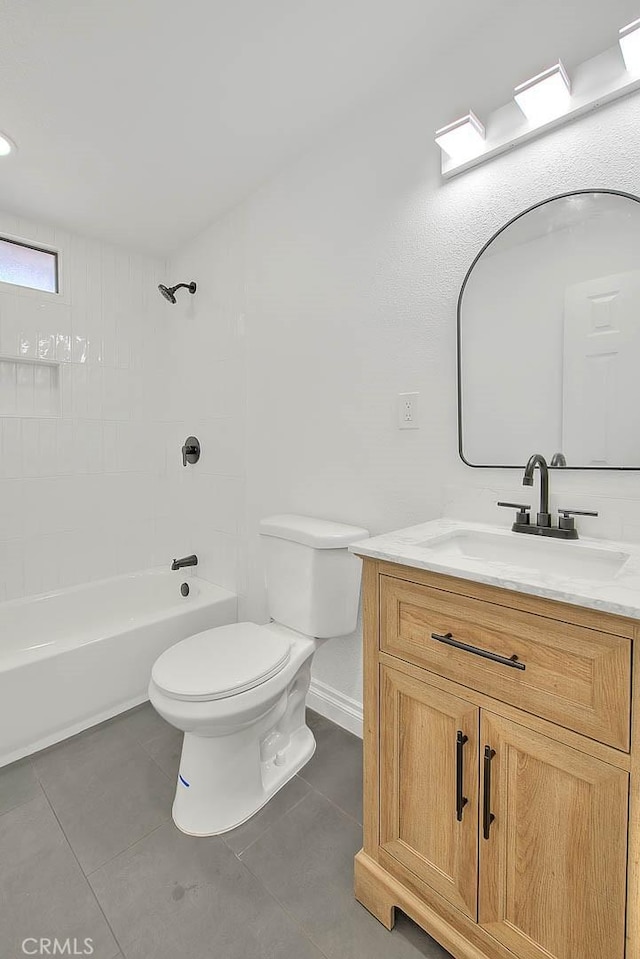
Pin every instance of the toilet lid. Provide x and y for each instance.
(221, 662)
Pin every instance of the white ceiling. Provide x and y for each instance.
(140, 120)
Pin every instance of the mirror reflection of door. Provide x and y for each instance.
(601, 371)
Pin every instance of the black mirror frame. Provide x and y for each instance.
(505, 226)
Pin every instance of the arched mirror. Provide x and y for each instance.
(549, 337)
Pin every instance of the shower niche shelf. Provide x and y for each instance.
(29, 386)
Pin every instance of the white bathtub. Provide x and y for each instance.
(75, 657)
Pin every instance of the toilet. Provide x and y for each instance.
(238, 692)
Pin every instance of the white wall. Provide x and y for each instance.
(79, 492)
(346, 269)
(205, 394)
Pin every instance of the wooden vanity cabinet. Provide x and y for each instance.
(490, 817)
(425, 736)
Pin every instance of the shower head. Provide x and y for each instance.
(169, 292)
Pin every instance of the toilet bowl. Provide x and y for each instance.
(238, 692)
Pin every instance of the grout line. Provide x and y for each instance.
(107, 862)
(171, 777)
(25, 761)
(335, 805)
(284, 908)
(271, 825)
(21, 804)
(82, 872)
(292, 918)
(111, 859)
(330, 800)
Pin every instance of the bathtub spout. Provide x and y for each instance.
(185, 561)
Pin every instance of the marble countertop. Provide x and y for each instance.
(414, 547)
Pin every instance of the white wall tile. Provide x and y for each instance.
(12, 582)
(11, 509)
(79, 481)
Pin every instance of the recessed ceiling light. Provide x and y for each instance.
(463, 138)
(630, 46)
(546, 96)
(6, 146)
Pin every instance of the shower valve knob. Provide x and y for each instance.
(190, 450)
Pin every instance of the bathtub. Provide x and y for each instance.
(72, 658)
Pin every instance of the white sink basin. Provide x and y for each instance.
(569, 559)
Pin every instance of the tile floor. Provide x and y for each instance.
(88, 850)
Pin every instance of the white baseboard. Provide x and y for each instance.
(72, 730)
(334, 705)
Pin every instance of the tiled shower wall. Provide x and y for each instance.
(79, 491)
(204, 389)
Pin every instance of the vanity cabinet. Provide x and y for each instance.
(552, 872)
(425, 736)
(501, 807)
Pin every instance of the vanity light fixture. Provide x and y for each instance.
(544, 103)
(462, 139)
(546, 96)
(630, 46)
(6, 146)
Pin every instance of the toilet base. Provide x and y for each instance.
(223, 782)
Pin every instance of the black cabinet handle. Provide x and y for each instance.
(487, 815)
(461, 801)
(494, 657)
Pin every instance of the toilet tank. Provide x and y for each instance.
(313, 581)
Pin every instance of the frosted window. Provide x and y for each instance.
(25, 265)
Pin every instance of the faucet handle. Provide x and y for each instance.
(522, 517)
(567, 521)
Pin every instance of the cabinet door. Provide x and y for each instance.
(429, 786)
(553, 868)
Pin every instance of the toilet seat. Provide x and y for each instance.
(221, 662)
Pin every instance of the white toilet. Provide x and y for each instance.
(238, 692)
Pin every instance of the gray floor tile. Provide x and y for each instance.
(165, 750)
(318, 724)
(106, 791)
(172, 895)
(291, 794)
(144, 723)
(335, 769)
(306, 861)
(18, 784)
(425, 945)
(42, 889)
(168, 894)
(360, 936)
(101, 747)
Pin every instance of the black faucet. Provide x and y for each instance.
(185, 561)
(544, 516)
(566, 528)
